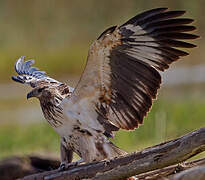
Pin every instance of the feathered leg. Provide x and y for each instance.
(66, 155)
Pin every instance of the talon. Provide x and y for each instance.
(64, 166)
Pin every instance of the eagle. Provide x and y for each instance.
(117, 87)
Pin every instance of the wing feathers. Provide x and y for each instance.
(176, 36)
(130, 79)
(149, 38)
(159, 17)
(144, 15)
(169, 51)
(167, 23)
(158, 30)
(175, 43)
(31, 75)
(121, 77)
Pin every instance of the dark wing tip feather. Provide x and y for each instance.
(179, 36)
(169, 22)
(144, 15)
(17, 79)
(176, 43)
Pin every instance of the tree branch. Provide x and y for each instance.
(170, 170)
(193, 173)
(152, 158)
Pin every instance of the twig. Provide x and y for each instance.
(194, 173)
(167, 171)
(162, 155)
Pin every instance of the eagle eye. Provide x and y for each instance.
(41, 89)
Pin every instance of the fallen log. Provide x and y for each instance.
(149, 159)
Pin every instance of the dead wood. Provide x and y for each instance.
(194, 173)
(149, 159)
(170, 170)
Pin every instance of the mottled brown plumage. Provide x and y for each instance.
(118, 85)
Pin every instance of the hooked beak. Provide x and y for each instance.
(30, 95)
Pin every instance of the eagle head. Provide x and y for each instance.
(42, 92)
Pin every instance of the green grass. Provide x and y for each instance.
(170, 117)
(33, 138)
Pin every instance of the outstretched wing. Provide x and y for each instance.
(27, 74)
(121, 77)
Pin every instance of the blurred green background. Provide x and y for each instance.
(57, 34)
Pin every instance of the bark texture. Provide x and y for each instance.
(149, 159)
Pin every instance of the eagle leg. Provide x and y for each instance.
(66, 154)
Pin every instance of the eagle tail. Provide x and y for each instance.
(115, 151)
